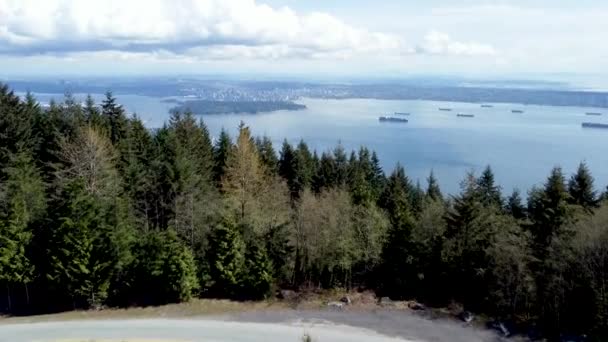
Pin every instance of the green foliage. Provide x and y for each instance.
(581, 188)
(221, 152)
(226, 259)
(267, 154)
(163, 271)
(96, 209)
(433, 191)
(515, 206)
(114, 118)
(489, 193)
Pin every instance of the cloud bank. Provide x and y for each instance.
(200, 29)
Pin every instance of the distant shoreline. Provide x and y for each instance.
(208, 107)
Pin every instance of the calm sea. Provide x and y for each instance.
(521, 147)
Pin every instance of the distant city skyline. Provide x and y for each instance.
(476, 38)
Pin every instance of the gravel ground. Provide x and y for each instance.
(397, 323)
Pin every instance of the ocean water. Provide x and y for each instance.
(521, 147)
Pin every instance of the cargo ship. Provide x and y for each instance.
(594, 125)
(401, 113)
(460, 115)
(518, 111)
(445, 109)
(593, 113)
(391, 119)
(486, 106)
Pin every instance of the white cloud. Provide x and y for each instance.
(199, 29)
(439, 43)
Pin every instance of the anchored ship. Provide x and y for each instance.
(593, 113)
(519, 111)
(594, 125)
(445, 109)
(465, 115)
(391, 119)
(486, 106)
(401, 113)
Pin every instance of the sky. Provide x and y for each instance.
(376, 38)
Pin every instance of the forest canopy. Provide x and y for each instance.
(96, 210)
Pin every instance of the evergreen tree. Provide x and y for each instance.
(257, 278)
(581, 188)
(548, 210)
(515, 206)
(417, 198)
(23, 203)
(162, 271)
(341, 162)
(92, 114)
(469, 232)
(489, 192)
(325, 176)
(192, 188)
(221, 153)
(267, 154)
(377, 172)
(16, 121)
(397, 250)
(287, 158)
(433, 191)
(225, 260)
(114, 117)
(136, 171)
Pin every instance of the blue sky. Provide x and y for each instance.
(478, 38)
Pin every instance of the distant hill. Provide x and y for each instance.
(203, 107)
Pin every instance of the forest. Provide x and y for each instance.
(98, 211)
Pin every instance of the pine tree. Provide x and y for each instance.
(433, 191)
(221, 153)
(417, 198)
(23, 203)
(136, 160)
(515, 206)
(225, 260)
(549, 210)
(162, 271)
(581, 188)
(341, 162)
(395, 198)
(489, 192)
(469, 232)
(324, 177)
(16, 122)
(92, 114)
(268, 156)
(287, 163)
(397, 249)
(192, 189)
(114, 118)
(257, 278)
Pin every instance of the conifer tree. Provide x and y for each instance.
(226, 260)
(192, 189)
(433, 191)
(581, 188)
(267, 154)
(22, 204)
(221, 153)
(114, 117)
(489, 192)
(397, 249)
(515, 206)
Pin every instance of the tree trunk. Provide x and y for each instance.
(8, 297)
(27, 294)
